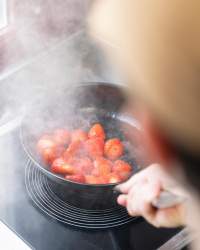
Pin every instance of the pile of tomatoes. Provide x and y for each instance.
(84, 157)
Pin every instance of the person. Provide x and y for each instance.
(156, 45)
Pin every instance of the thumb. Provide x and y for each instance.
(169, 217)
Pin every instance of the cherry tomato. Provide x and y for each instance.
(61, 136)
(94, 147)
(59, 151)
(102, 166)
(91, 179)
(74, 149)
(48, 149)
(114, 178)
(84, 165)
(79, 135)
(122, 168)
(48, 155)
(102, 180)
(113, 148)
(97, 131)
(76, 178)
(45, 142)
(70, 160)
(59, 166)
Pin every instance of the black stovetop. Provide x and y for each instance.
(42, 232)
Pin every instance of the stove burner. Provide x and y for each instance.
(42, 195)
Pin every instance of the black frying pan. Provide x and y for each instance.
(80, 106)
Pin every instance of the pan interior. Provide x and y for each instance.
(79, 107)
(83, 118)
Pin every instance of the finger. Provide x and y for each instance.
(140, 197)
(146, 207)
(126, 186)
(153, 191)
(142, 176)
(122, 200)
(170, 217)
(132, 209)
(148, 211)
(132, 205)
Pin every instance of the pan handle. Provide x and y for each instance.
(166, 199)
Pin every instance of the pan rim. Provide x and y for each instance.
(59, 178)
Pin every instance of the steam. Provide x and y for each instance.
(50, 52)
(46, 53)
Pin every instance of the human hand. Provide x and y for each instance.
(139, 192)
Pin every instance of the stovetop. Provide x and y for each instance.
(70, 61)
(43, 232)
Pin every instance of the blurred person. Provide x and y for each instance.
(156, 44)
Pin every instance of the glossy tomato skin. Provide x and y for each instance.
(59, 166)
(94, 147)
(122, 168)
(102, 166)
(97, 131)
(80, 178)
(61, 137)
(113, 149)
(78, 135)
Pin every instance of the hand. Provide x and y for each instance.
(139, 192)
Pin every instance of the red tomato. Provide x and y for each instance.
(45, 142)
(97, 131)
(79, 135)
(84, 165)
(71, 160)
(91, 179)
(102, 166)
(59, 166)
(76, 178)
(94, 147)
(122, 168)
(102, 180)
(74, 149)
(49, 154)
(61, 136)
(114, 178)
(59, 151)
(113, 148)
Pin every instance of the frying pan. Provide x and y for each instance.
(81, 106)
